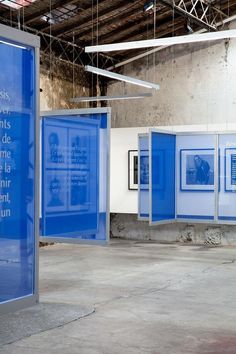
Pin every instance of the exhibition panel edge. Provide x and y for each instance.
(163, 222)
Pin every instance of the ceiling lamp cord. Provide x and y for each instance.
(97, 86)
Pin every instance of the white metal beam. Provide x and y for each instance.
(191, 38)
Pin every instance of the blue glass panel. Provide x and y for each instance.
(163, 176)
(74, 180)
(17, 122)
(196, 176)
(227, 177)
(143, 198)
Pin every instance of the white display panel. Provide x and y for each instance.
(195, 175)
(227, 177)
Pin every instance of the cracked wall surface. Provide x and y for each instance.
(59, 82)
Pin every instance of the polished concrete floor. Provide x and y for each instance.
(148, 298)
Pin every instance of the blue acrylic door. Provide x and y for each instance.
(74, 177)
(162, 177)
(17, 166)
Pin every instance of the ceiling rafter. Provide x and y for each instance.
(110, 18)
(38, 14)
(78, 20)
(127, 29)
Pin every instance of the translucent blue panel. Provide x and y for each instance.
(143, 166)
(17, 149)
(227, 177)
(74, 178)
(162, 176)
(196, 176)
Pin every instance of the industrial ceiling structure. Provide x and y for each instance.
(66, 27)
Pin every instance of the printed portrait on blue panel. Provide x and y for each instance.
(56, 191)
(79, 191)
(144, 170)
(230, 169)
(197, 170)
(79, 148)
(56, 146)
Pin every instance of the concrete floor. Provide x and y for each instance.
(149, 298)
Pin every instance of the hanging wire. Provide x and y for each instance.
(73, 67)
(97, 52)
(50, 46)
(154, 37)
(92, 45)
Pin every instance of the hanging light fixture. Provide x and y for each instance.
(119, 77)
(191, 38)
(148, 6)
(110, 98)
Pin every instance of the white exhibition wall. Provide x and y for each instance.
(123, 200)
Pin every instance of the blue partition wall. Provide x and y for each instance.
(17, 165)
(196, 176)
(227, 178)
(74, 177)
(143, 180)
(162, 176)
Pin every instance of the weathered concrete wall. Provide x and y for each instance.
(197, 87)
(127, 226)
(59, 82)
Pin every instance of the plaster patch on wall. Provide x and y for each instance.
(187, 234)
(213, 236)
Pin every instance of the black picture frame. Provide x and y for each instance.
(132, 169)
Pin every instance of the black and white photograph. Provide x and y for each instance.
(133, 169)
(197, 169)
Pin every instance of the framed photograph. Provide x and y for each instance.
(133, 169)
(197, 170)
(230, 169)
(144, 169)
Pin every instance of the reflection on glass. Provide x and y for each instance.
(71, 179)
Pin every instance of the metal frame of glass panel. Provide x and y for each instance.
(141, 218)
(23, 38)
(216, 220)
(76, 112)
